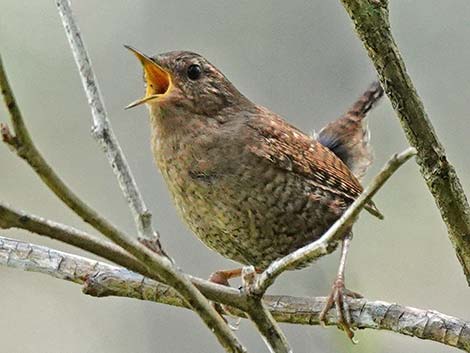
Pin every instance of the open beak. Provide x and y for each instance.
(157, 79)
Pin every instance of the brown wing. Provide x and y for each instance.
(292, 150)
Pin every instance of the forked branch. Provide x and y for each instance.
(321, 246)
(102, 280)
(371, 20)
(102, 130)
(157, 267)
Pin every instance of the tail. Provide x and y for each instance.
(348, 137)
(367, 101)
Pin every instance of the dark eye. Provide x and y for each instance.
(194, 72)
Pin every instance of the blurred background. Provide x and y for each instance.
(300, 59)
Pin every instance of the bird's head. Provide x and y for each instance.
(183, 80)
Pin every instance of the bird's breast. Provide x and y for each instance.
(241, 205)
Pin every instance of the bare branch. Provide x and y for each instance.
(373, 28)
(165, 272)
(23, 145)
(261, 317)
(267, 326)
(11, 218)
(101, 127)
(378, 315)
(103, 280)
(158, 267)
(322, 246)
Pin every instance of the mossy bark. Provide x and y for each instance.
(371, 21)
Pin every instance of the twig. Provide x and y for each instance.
(158, 267)
(165, 271)
(11, 218)
(373, 28)
(102, 130)
(267, 326)
(23, 145)
(322, 246)
(102, 280)
(261, 317)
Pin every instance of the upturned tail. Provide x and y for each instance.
(348, 137)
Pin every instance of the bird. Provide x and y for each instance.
(250, 185)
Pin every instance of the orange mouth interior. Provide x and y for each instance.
(157, 79)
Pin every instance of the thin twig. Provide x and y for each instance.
(102, 130)
(267, 326)
(11, 218)
(322, 246)
(102, 280)
(261, 317)
(372, 25)
(158, 267)
(23, 145)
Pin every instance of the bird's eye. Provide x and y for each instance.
(194, 72)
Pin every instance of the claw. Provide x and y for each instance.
(222, 278)
(339, 299)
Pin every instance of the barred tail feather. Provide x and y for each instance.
(348, 137)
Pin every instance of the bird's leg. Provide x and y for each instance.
(222, 277)
(339, 293)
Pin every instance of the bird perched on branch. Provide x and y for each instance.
(251, 186)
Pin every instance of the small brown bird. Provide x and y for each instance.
(251, 186)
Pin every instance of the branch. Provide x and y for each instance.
(267, 326)
(23, 145)
(373, 28)
(378, 315)
(11, 218)
(322, 246)
(102, 130)
(102, 280)
(261, 317)
(158, 267)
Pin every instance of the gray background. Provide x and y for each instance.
(300, 59)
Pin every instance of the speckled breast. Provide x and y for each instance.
(252, 214)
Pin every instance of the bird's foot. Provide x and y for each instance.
(338, 298)
(222, 277)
